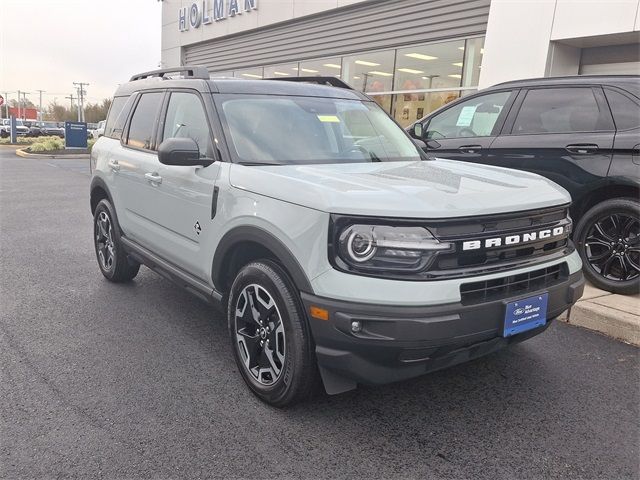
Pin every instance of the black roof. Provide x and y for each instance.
(630, 83)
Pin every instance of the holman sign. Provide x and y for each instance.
(205, 12)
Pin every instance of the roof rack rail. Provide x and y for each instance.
(330, 81)
(189, 71)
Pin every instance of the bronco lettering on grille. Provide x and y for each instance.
(513, 239)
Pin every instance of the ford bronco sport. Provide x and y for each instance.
(337, 249)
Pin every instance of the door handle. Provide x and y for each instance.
(153, 178)
(470, 148)
(582, 148)
(113, 165)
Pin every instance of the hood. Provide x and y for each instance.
(423, 189)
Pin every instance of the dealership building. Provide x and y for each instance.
(411, 56)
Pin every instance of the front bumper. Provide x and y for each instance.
(397, 343)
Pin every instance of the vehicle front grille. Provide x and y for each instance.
(513, 285)
(459, 262)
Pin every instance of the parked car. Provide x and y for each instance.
(53, 128)
(5, 128)
(99, 130)
(314, 220)
(581, 132)
(35, 128)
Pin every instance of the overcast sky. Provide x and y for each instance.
(49, 44)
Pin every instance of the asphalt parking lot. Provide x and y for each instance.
(138, 381)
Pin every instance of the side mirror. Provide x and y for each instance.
(182, 152)
(416, 131)
(419, 143)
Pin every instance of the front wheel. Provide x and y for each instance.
(608, 240)
(270, 337)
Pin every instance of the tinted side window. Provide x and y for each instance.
(144, 120)
(117, 116)
(186, 118)
(475, 117)
(560, 110)
(626, 112)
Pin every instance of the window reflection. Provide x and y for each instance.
(369, 71)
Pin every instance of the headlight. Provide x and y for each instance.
(380, 248)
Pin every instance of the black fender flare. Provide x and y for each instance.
(247, 233)
(98, 182)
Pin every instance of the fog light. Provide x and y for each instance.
(356, 326)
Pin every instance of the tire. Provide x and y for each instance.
(282, 370)
(113, 261)
(608, 240)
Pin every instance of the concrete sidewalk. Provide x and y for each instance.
(617, 316)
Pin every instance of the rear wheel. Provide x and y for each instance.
(269, 334)
(608, 240)
(112, 259)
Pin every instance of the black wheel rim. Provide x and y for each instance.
(104, 241)
(612, 247)
(260, 338)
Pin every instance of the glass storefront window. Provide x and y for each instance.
(438, 65)
(249, 73)
(474, 49)
(326, 67)
(222, 74)
(413, 106)
(284, 70)
(369, 71)
(384, 101)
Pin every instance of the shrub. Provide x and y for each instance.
(47, 144)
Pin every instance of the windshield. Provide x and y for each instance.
(267, 129)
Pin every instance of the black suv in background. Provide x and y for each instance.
(581, 132)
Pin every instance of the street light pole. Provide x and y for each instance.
(18, 103)
(40, 110)
(81, 92)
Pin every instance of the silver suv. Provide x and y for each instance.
(337, 249)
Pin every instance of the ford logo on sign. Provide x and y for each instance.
(518, 311)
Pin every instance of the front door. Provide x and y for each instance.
(183, 202)
(466, 130)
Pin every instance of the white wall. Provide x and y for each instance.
(525, 37)
(268, 12)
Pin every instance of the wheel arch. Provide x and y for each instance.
(244, 244)
(98, 191)
(607, 192)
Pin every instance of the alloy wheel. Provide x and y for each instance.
(260, 336)
(104, 241)
(612, 247)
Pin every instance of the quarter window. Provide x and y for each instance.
(144, 119)
(117, 116)
(626, 112)
(186, 119)
(475, 117)
(560, 110)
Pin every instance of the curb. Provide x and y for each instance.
(24, 154)
(617, 316)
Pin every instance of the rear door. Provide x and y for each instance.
(626, 146)
(136, 158)
(466, 130)
(564, 133)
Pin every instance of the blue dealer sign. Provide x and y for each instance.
(75, 135)
(205, 12)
